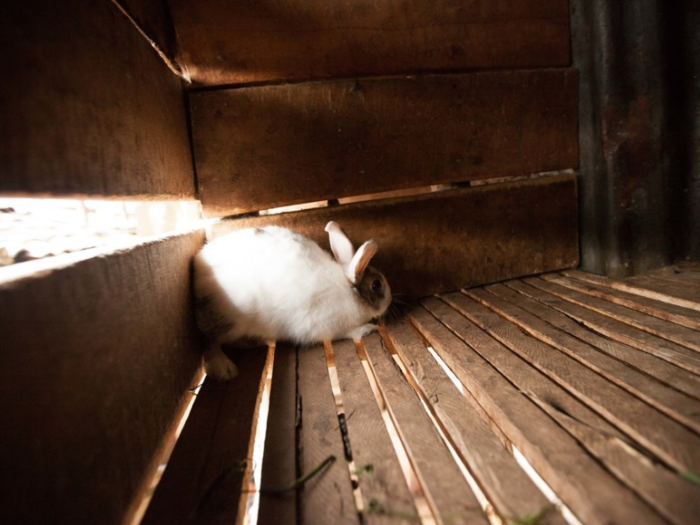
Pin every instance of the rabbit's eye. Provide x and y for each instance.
(376, 286)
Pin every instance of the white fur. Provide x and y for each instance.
(278, 285)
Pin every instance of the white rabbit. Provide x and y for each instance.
(270, 284)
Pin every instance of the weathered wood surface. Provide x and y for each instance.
(666, 439)
(652, 365)
(611, 428)
(153, 18)
(203, 481)
(664, 397)
(386, 494)
(97, 354)
(236, 42)
(328, 497)
(445, 240)
(278, 504)
(661, 327)
(447, 491)
(87, 107)
(487, 368)
(597, 286)
(617, 330)
(264, 147)
(505, 484)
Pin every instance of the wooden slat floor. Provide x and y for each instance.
(442, 417)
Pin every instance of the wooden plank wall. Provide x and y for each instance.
(265, 147)
(441, 241)
(96, 357)
(223, 42)
(87, 107)
(303, 102)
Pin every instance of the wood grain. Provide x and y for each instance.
(681, 291)
(223, 42)
(153, 18)
(665, 398)
(326, 498)
(87, 107)
(264, 147)
(682, 335)
(96, 357)
(652, 365)
(379, 471)
(279, 467)
(663, 437)
(667, 350)
(204, 478)
(447, 489)
(644, 287)
(495, 232)
(672, 496)
(504, 483)
(588, 489)
(599, 286)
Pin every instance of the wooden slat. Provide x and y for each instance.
(665, 438)
(447, 489)
(591, 493)
(384, 483)
(97, 354)
(445, 240)
(681, 293)
(204, 478)
(674, 404)
(279, 468)
(505, 484)
(87, 107)
(679, 378)
(641, 286)
(682, 335)
(667, 350)
(230, 42)
(535, 318)
(326, 498)
(672, 496)
(265, 147)
(599, 287)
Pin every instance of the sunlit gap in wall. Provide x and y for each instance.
(32, 229)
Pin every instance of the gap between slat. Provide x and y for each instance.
(529, 470)
(427, 512)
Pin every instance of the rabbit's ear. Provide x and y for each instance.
(361, 260)
(343, 250)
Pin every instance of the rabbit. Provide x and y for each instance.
(269, 284)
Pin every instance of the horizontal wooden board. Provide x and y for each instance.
(264, 147)
(236, 42)
(442, 241)
(96, 357)
(87, 107)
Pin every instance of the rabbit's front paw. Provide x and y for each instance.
(219, 366)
